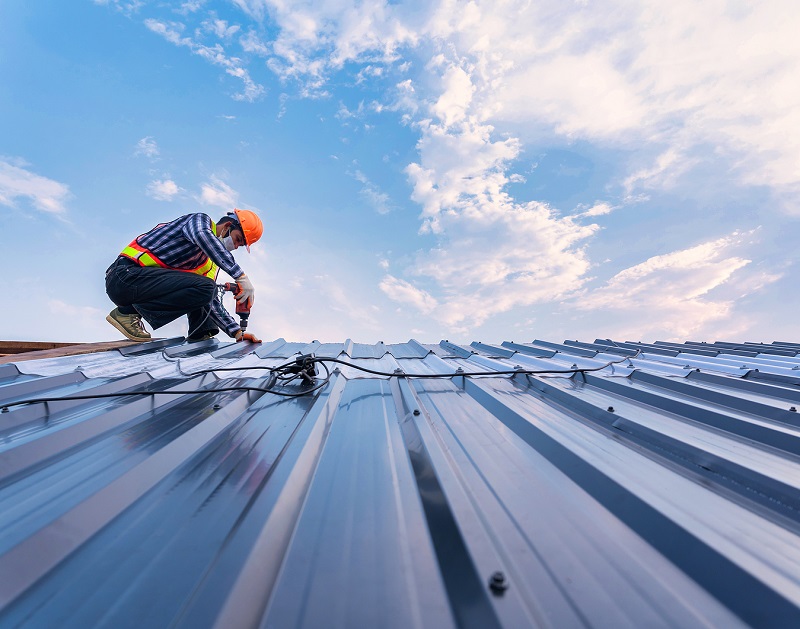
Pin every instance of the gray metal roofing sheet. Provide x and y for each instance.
(652, 492)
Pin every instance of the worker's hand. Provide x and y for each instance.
(246, 336)
(248, 291)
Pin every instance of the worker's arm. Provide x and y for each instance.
(198, 230)
(223, 320)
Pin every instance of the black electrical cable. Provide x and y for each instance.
(94, 396)
(282, 371)
(401, 374)
(218, 291)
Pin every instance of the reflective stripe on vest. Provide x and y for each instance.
(144, 257)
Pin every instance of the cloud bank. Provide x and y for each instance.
(675, 87)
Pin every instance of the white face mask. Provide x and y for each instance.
(228, 242)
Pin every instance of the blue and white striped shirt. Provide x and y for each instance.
(184, 244)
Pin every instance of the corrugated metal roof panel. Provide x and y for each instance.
(660, 490)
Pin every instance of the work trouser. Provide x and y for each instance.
(162, 295)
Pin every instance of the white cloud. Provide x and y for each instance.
(147, 147)
(128, 7)
(677, 295)
(214, 54)
(664, 173)
(600, 208)
(379, 201)
(405, 293)
(315, 39)
(191, 6)
(17, 182)
(452, 105)
(163, 189)
(252, 43)
(218, 194)
(256, 9)
(221, 28)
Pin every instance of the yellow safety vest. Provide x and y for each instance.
(144, 257)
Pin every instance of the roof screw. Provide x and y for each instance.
(5, 410)
(459, 370)
(791, 408)
(416, 411)
(217, 406)
(398, 371)
(610, 409)
(498, 583)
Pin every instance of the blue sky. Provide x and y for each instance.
(463, 170)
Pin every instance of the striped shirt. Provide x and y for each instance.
(184, 244)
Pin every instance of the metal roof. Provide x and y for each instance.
(661, 490)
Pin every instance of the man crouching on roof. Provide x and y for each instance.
(171, 271)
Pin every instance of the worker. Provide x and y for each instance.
(171, 271)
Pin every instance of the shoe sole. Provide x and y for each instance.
(130, 336)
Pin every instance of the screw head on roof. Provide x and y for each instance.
(217, 406)
(791, 408)
(610, 409)
(459, 370)
(416, 411)
(498, 583)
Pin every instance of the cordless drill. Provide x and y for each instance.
(243, 307)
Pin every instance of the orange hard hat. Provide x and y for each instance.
(251, 226)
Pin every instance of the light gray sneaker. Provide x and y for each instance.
(130, 325)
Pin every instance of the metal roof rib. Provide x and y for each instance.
(601, 347)
(492, 350)
(696, 559)
(723, 399)
(767, 389)
(29, 564)
(566, 349)
(236, 594)
(529, 349)
(604, 483)
(151, 346)
(456, 350)
(688, 349)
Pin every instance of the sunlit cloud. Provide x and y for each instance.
(406, 293)
(377, 199)
(17, 182)
(677, 295)
(147, 147)
(172, 32)
(163, 189)
(218, 194)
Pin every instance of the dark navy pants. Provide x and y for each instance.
(162, 295)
